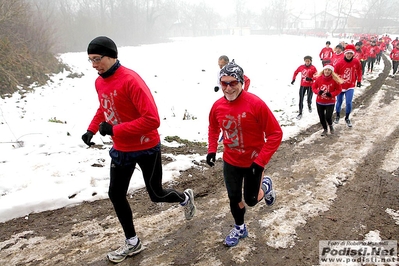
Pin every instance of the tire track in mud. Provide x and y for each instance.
(361, 202)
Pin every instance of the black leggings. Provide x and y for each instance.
(325, 113)
(122, 167)
(394, 66)
(302, 91)
(379, 57)
(370, 63)
(233, 178)
(364, 62)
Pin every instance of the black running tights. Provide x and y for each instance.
(120, 175)
(302, 91)
(325, 113)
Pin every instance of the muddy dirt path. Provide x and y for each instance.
(337, 187)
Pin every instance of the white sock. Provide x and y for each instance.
(185, 200)
(241, 226)
(133, 240)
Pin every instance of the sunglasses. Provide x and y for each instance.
(231, 83)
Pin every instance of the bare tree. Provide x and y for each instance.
(380, 15)
(342, 9)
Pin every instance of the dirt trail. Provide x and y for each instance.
(334, 187)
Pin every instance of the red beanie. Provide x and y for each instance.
(349, 48)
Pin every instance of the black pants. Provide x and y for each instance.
(379, 57)
(363, 63)
(123, 165)
(309, 92)
(370, 63)
(325, 113)
(395, 65)
(234, 177)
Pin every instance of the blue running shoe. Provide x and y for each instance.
(270, 194)
(234, 236)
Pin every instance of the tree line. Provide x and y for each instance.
(33, 31)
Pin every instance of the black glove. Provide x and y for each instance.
(359, 84)
(328, 94)
(211, 158)
(320, 92)
(292, 82)
(216, 88)
(86, 137)
(308, 79)
(106, 129)
(256, 169)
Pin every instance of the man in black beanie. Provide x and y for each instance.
(127, 112)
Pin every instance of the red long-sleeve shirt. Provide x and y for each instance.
(350, 72)
(394, 55)
(251, 133)
(326, 84)
(326, 53)
(306, 72)
(336, 58)
(373, 50)
(360, 55)
(127, 103)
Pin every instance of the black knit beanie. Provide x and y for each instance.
(103, 46)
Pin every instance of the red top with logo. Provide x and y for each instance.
(306, 72)
(394, 55)
(350, 72)
(251, 133)
(127, 103)
(326, 84)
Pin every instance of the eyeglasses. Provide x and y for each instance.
(95, 60)
(231, 83)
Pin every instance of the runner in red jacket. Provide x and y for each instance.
(327, 86)
(307, 72)
(373, 50)
(251, 135)
(326, 54)
(360, 55)
(395, 42)
(127, 112)
(350, 70)
(337, 55)
(394, 55)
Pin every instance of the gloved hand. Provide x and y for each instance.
(359, 84)
(256, 169)
(106, 129)
(320, 92)
(211, 158)
(216, 89)
(292, 82)
(308, 79)
(86, 137)
(328, 94)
